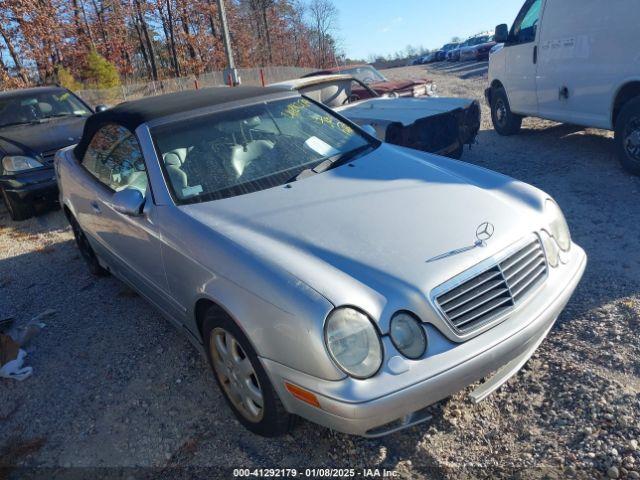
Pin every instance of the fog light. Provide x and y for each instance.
(407, 335)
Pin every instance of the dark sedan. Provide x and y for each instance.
(34, 124)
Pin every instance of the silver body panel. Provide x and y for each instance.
(279, 260)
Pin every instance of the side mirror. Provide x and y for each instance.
(501, 33)
(128, 202)
(101, 108)
(369, 129)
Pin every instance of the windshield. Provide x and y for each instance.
(250, 148)
(366, 74)
(40, 106)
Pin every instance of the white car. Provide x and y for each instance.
(573, 61)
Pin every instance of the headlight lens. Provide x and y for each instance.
(408, 335)
(558, 225)
(18, 163)
(353, 342)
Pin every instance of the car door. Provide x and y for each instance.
(132, 244)
(520, 51)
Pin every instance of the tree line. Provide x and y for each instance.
(42, 41)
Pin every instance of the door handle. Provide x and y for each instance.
(535, 54)
(95, 207)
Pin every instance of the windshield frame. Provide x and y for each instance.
(373, 142)
(18, 94)
(349, 71)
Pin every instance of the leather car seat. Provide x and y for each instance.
(243, 155)
(178, 178)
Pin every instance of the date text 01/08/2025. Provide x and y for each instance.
(315, 472)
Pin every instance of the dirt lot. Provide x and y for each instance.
(115, 385)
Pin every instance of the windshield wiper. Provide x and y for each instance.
(331, 162)
(58, 115)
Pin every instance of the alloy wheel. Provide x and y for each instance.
(236, 374)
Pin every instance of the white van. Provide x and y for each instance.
(573, 61)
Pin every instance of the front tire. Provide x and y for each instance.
(627, 136)
(241, 378)
(86, 251)
(504, 120)
(18, 210)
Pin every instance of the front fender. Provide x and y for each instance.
(281, 316)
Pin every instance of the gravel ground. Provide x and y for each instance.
(115, 385)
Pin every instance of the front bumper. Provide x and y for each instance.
(31, 186)
(387, 402)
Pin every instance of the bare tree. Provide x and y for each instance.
(324, 16)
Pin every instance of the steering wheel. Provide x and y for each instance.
(368, 80)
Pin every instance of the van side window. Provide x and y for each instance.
(526, 25)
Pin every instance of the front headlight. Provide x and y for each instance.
(353, 342)
(18, 163)
(558, 227)
(407, 335)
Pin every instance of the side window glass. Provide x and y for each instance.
(99, 148)
(526, 25)
(115, 159)
(126, 165)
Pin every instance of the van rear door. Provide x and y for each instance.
(520, 51)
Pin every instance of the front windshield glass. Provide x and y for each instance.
(366, 74)
(37, 107)
(250, 148)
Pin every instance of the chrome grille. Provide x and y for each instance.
(496, 290)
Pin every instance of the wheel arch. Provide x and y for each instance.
(495, 85)
(200, 309)
(625, 93)
(67, 212)
(202, 306)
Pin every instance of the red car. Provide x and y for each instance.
(376, 81)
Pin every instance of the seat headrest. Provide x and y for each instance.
(171, 158)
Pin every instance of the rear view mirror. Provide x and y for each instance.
(501, 33)
(128, 201)
(101, 108)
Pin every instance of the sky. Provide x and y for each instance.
(386, 26)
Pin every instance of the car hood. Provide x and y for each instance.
(403, 110)
(367, 234)
(42, 137)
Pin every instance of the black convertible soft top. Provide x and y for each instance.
(136, 112)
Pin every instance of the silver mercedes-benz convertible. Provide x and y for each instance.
(323, 273)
